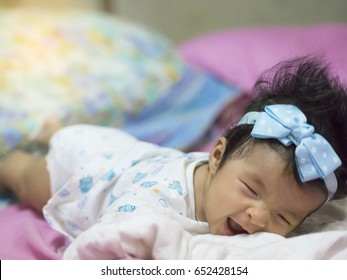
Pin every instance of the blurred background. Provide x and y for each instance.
(183, 19)
(98, 68)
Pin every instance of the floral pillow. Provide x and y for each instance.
(78, 66)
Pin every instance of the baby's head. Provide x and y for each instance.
(288, 153)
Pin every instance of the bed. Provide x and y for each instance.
(108, 71)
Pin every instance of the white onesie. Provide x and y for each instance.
(99, 172)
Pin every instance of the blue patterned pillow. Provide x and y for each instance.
(79, 66)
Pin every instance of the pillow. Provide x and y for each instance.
(78, 66)
(239, 56)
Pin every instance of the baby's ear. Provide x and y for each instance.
(216, 154)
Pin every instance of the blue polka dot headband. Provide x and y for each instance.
(314, 156)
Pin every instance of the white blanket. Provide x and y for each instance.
(153, 234)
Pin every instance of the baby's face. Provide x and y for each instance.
(253, 194)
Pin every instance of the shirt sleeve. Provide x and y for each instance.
(148, 234)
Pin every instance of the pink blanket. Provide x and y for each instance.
(25, 235)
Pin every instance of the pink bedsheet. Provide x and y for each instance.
(239, 56)
(25, 235)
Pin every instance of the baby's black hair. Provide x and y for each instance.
(306, 83)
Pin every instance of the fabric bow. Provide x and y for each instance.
(315, 157)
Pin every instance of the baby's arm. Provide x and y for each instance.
(150, 233)
(27, 176)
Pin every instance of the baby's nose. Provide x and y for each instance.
(258, 216)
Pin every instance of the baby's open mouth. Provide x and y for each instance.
(233, 228)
